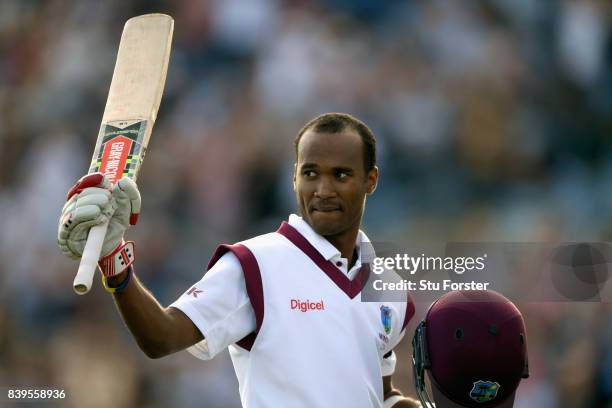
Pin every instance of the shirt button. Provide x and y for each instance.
(338, 263)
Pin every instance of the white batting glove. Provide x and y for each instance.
(92, 201)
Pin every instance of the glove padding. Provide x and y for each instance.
(93, 201)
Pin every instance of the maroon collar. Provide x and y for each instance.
(350, 287)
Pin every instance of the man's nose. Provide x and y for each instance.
(325, 188)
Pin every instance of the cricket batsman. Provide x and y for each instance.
(287, 304)
(473, 347)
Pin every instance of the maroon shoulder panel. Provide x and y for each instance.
(410, 309)
(252, 279)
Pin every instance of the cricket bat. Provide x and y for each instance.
(131, 108)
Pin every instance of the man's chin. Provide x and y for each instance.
(326, 222)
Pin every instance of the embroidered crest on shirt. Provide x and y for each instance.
(385, 317)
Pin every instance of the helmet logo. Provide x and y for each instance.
(484, 391)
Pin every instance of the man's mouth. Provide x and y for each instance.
(326, 208)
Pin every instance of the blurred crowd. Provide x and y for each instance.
(493, 121)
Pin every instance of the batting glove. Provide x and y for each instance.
(93, 201)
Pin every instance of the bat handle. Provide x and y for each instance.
(89, 260)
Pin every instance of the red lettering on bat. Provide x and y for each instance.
(114, 157)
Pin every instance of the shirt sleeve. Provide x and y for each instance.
(404, 311)
(387, 364)
(219, 306)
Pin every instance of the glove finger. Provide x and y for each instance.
(114, 236)
(70, 203)
(63, 245)
(75, 242)
(63, 233)
(89, 215)
(86, 213)
(89, 180)
(89, 205)
(67, 231)
(78, 237)
(94, 191)
(100, 200)
(128, 188)
(65, 222)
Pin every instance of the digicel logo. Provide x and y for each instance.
(307, 305)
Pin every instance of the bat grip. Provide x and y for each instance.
(89, 260)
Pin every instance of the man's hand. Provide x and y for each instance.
(93, 201)
(394, 397)
(406, 403)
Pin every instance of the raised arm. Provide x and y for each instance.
(92, 200)
(158, 330)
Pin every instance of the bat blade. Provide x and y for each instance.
(131, 108)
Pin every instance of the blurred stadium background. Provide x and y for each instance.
(493, 120)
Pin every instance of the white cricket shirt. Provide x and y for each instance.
(291, 315)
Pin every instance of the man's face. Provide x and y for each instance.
(330, 181)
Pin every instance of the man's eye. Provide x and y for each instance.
(309, 173)
(342, 175)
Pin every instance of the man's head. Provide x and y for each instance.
(473, 346)
(335, 169)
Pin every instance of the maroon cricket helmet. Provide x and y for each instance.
(474, 344)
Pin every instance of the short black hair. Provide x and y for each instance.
(335, 122)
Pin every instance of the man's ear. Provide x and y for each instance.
(294, 176)
(372, 181)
